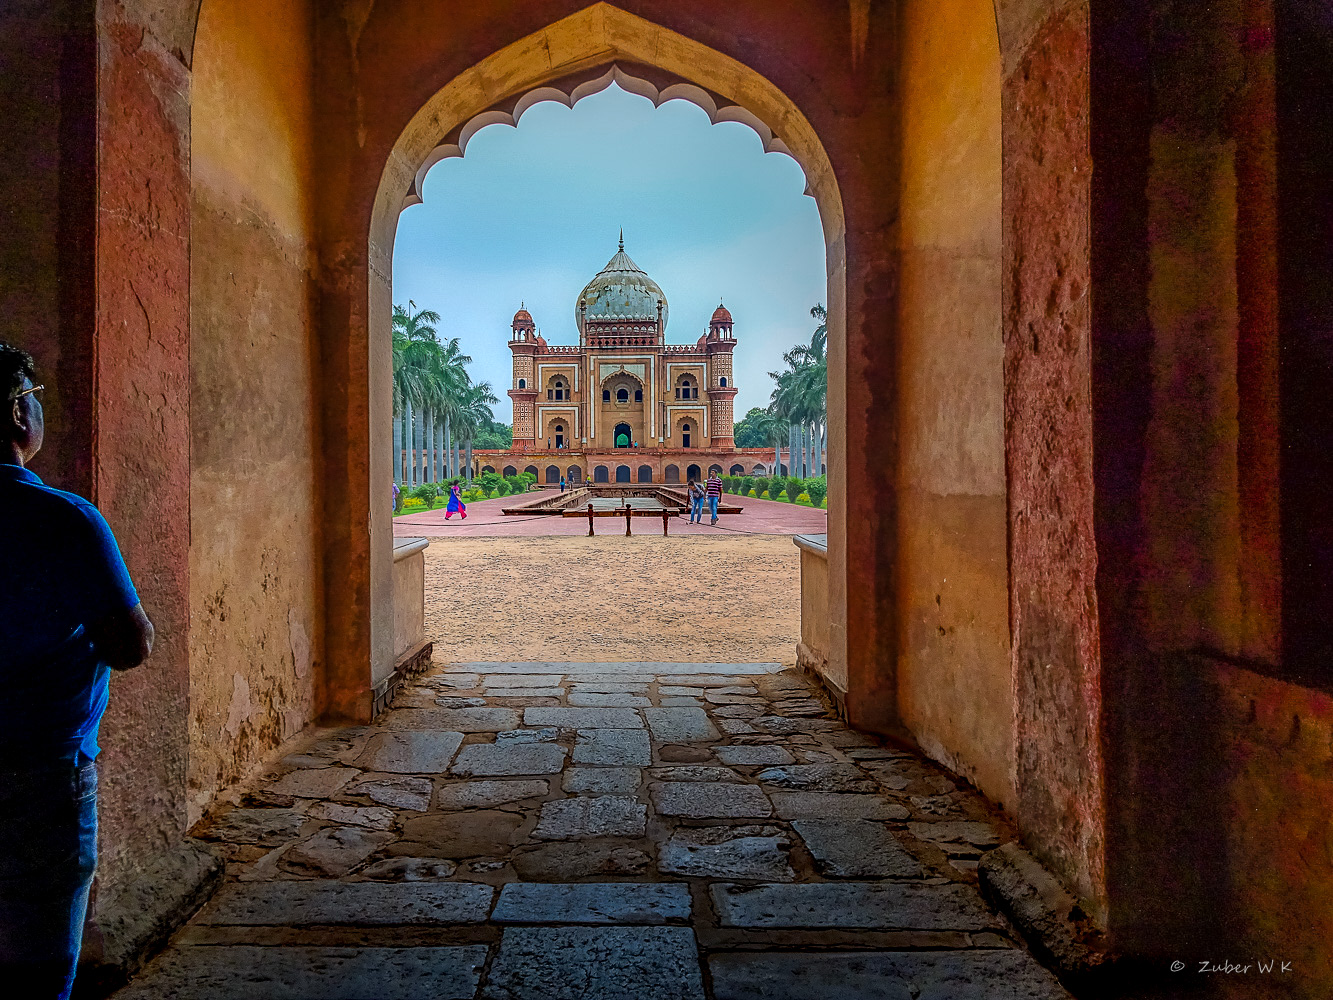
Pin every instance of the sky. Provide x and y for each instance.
(531, 213)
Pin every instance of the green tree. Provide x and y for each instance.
(794, 486)
(818, 490)
(494, 435)
(490, 482)
(747, 484)
(749, 432)
(760, 486)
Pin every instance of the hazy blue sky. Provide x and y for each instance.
(531, 214)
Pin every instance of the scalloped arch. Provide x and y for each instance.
(622, 78)
(581, 55)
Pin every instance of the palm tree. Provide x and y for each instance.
(800, 395)
(474, 414)
(415, 348)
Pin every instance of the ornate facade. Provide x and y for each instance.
(624, 404)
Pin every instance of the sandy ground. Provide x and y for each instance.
(723, 599)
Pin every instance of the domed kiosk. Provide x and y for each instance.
(621, 306)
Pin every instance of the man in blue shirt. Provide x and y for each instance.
(69, 615)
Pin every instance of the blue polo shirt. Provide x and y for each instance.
(60, 571)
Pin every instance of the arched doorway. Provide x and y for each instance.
(553, 475)
(575, 475)
(622, 436)
(737, 470)
(671, 474)
(645, 473)
(509, 470)
(715, 469)
(531, 470)
(601, 474)
(686, 435)
(622, 474)
(692, 472)
(488, 468)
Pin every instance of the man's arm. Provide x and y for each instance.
(123, 639)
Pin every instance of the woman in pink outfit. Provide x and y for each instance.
(455, 502)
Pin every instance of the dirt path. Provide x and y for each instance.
(724, 599)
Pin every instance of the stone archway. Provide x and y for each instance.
(692, 471)
(575, 475)
(622, 474)
(645, 474)
(553, 475)
(601, 474)
(671, 474)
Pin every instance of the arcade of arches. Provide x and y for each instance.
(1078, 407)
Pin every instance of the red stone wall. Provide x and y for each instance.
(142, 434)
(1048, 444)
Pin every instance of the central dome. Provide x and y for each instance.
(621, 290)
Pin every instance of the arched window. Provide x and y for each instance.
(560, 389)
(522, 383)
(638, 395)
(684, 435)
(622, 395)
(722, 381)
(606, 395)
(559, 435)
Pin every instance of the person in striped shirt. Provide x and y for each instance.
(714, 490)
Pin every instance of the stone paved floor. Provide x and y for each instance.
(539, 831)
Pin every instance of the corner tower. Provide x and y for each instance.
(719, 343)
(524, 344)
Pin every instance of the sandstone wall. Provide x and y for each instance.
(955, 685)
(255, 514)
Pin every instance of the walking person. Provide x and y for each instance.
(456, 505)
(69, 615)
(562, 484)
(695, 492)
(714, 491)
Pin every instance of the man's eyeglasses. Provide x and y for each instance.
(19, 395)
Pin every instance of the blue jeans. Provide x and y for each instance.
(697, 510)
(48, 853)
(712, 508)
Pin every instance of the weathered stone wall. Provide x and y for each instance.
(1048, 440)
(255, 562)
(141, 394)
(955, 684)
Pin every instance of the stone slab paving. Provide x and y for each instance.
(280, 903)
(583, 963)
(593, 903)
(1003, 974)
(548, 830)
(247, 972)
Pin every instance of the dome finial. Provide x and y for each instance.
(622, 237)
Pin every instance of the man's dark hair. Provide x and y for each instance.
(15, 366)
